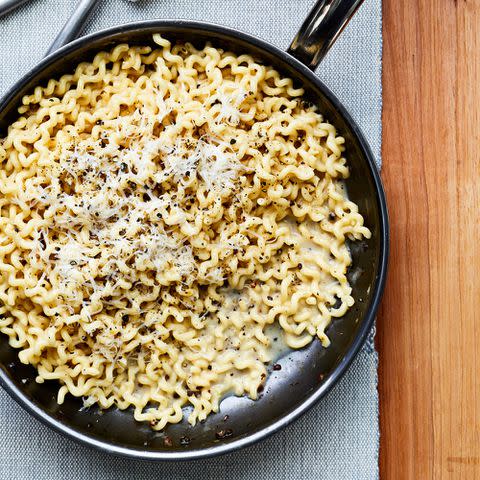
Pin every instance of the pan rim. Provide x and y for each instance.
(366, 322)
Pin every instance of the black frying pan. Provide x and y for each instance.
(306, 375)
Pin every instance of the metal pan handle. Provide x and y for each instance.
(320, 30)
(74, 24)
(8, 5)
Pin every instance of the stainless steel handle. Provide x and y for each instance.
(7, 5)
(74, 25)
(320, 30)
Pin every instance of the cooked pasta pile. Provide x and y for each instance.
(161, 208)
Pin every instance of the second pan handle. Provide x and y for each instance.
(8, 5)
(74, 25)
(320, 30)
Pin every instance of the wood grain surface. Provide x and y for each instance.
(429, 325)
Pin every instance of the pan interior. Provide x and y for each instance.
(304, 372)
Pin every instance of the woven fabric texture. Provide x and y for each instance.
(337, 439)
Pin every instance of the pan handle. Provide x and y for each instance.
(320, 30)
(74, 24)
(8, 5)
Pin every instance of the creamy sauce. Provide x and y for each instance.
(305, 243)
(278, 347)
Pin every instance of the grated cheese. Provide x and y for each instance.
(230, 105)
(114, 203)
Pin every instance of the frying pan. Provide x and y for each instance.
(306, 375)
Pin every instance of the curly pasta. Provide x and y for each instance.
(160, 209)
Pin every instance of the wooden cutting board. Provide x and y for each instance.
(429, 325)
